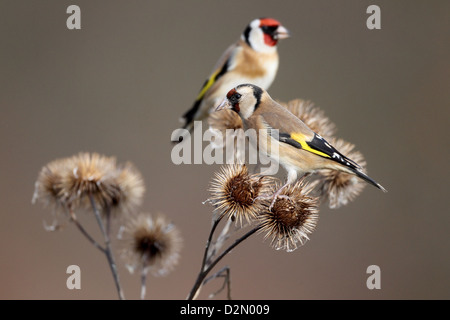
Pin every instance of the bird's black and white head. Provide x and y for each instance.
(243, 99)
(262, 34)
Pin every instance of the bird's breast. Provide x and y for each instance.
(258, 68)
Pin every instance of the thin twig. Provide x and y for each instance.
(83, 231)
(204, 273)
(223, 236)
(108, 220)
(208, 242)
(108, 251)
(144, 279)
(226, 282)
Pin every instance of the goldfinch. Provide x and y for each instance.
(285, 138)
(254, 59)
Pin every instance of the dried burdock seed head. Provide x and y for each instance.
(71, 181)
(312, 116)
(292, 217)
(339, 187)
(129, 189)
(228, 133)
(47, 188)
(225, 119)
(235, 192)
(152, 243)
(89, 175)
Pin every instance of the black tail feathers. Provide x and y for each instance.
(366, 178)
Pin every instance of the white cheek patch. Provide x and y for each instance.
(247, 105)
(246, 112)
(256, 40)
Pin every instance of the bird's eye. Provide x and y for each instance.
(235, 98)
(269, 29)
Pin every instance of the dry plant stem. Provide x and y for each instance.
(202, 275)
(208, 243)
(108, 221)
(108, 251)
(223, 236)
(225, 273)
(143, 279)
(83, 231)
(206, 257)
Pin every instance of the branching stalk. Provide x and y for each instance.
(202, 275)
(108, 250)
(83, 231)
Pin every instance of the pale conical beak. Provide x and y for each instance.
(225, 104)
(282, 33)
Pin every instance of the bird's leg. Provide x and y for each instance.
(292, 177)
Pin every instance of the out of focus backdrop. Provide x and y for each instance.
(119, 85)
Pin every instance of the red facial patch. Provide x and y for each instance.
(269, 40)
(269, 22)
(230, 93)
(268, 36)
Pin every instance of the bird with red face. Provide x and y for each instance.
(285, 138)
(252, 59)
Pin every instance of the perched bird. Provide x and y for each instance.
(254, 59)
(285, 138)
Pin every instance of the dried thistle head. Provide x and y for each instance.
(152, 243)
(225, 119)
(235, 192)
(339, 187)
(227, 127)
(89, 175)
(71, 181)
(292, 217)
(48, 185)
(129, 188)
(312, 116)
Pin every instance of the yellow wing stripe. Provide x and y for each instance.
(300, 138)
(208, 84)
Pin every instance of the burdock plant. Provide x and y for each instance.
(339, 188)
(291, 218)
(242, 201)
(239, 196)
(235, 192)
(97, 183)
(151, 244)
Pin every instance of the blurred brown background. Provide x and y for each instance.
(119, 85)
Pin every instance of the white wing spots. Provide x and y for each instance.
(337, 156)
(341, 159)
(318, 136)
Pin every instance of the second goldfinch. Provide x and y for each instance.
(254, 58)
(285, 138)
